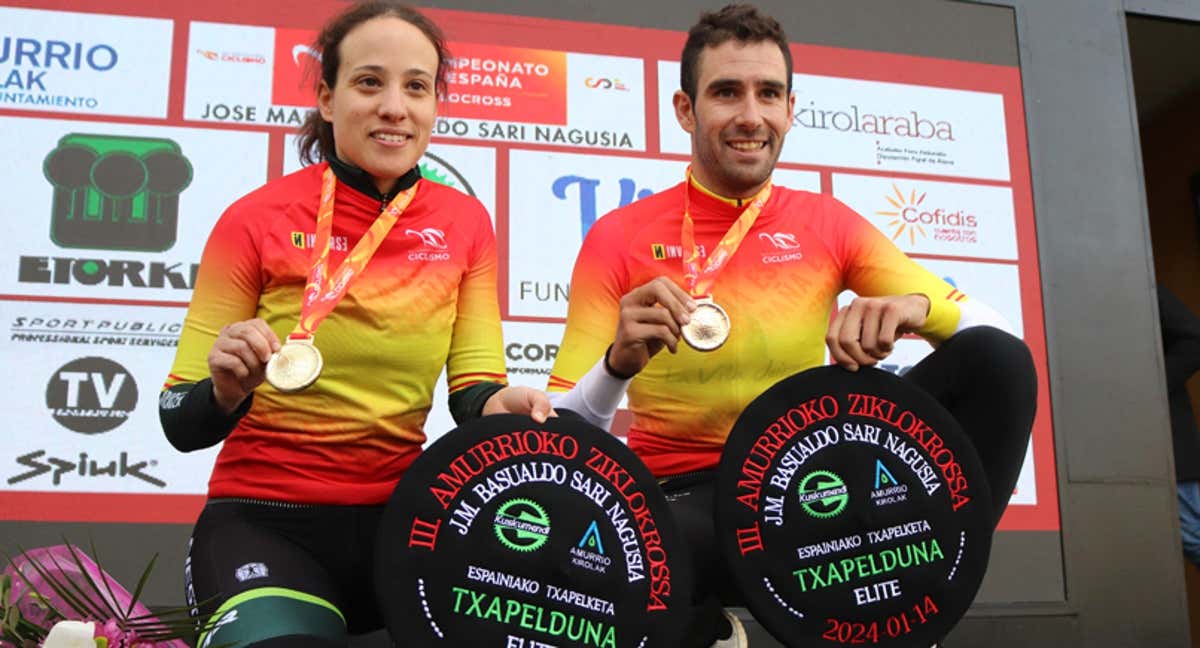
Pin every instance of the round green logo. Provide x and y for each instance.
(823, 494)
(521, 525)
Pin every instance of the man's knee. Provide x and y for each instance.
(993, 352)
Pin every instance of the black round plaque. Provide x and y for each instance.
(515, 534)
(853, 511)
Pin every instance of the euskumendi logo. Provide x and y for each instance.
(522, 525)
(823, 494)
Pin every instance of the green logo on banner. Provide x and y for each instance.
(823, 494)
(116, 192)
(440, 171)
(522, 525)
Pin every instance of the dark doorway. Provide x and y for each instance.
(1165, 56)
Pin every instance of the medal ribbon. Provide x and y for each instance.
(324, 290)
(699, 279)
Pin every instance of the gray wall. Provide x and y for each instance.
(1113, 577)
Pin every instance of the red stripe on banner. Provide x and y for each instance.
(99, 507)
(535, 320)
(905, 175)
(178, 83)
(94, 300)
(650, 70)
(1044, 516)
(276, 142)
(503, 241)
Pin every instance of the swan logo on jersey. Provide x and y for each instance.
(910, 214)
(786, 247)
(430, 237)
(781, 240)
(433, 245)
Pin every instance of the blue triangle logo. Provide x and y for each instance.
(591, 539)
(883, 477)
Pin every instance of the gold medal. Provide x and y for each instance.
(709, 327)
(296, 365)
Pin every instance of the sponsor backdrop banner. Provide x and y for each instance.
(86, 63)
(140, 123)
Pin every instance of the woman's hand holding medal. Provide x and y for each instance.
(238, 360)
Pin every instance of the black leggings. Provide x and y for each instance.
(983, 376)
(313, 563)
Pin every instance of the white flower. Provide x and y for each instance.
(71, 634)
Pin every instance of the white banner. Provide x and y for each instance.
(60, 61)
(557, 197)
(86, 400)
(117, 211)
(860, 124)
(942, 218)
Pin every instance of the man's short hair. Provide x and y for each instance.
(741, 22)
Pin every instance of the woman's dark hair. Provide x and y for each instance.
(741, 22)
(316, 134)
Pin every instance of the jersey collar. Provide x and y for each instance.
(362, 181)
(733, 202)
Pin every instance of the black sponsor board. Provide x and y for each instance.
(853, 510)
(512, 533)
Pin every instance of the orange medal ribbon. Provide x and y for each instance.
(325, 290)
(699, 279)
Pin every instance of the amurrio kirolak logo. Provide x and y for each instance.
(116, 192)
(91, 395)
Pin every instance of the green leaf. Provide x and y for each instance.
(111, 601)
(137, 592)
(107, 611)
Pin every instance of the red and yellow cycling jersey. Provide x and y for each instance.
(426, 300)
(779, 289)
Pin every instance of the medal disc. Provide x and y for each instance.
(708, 328)
(296, 365)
